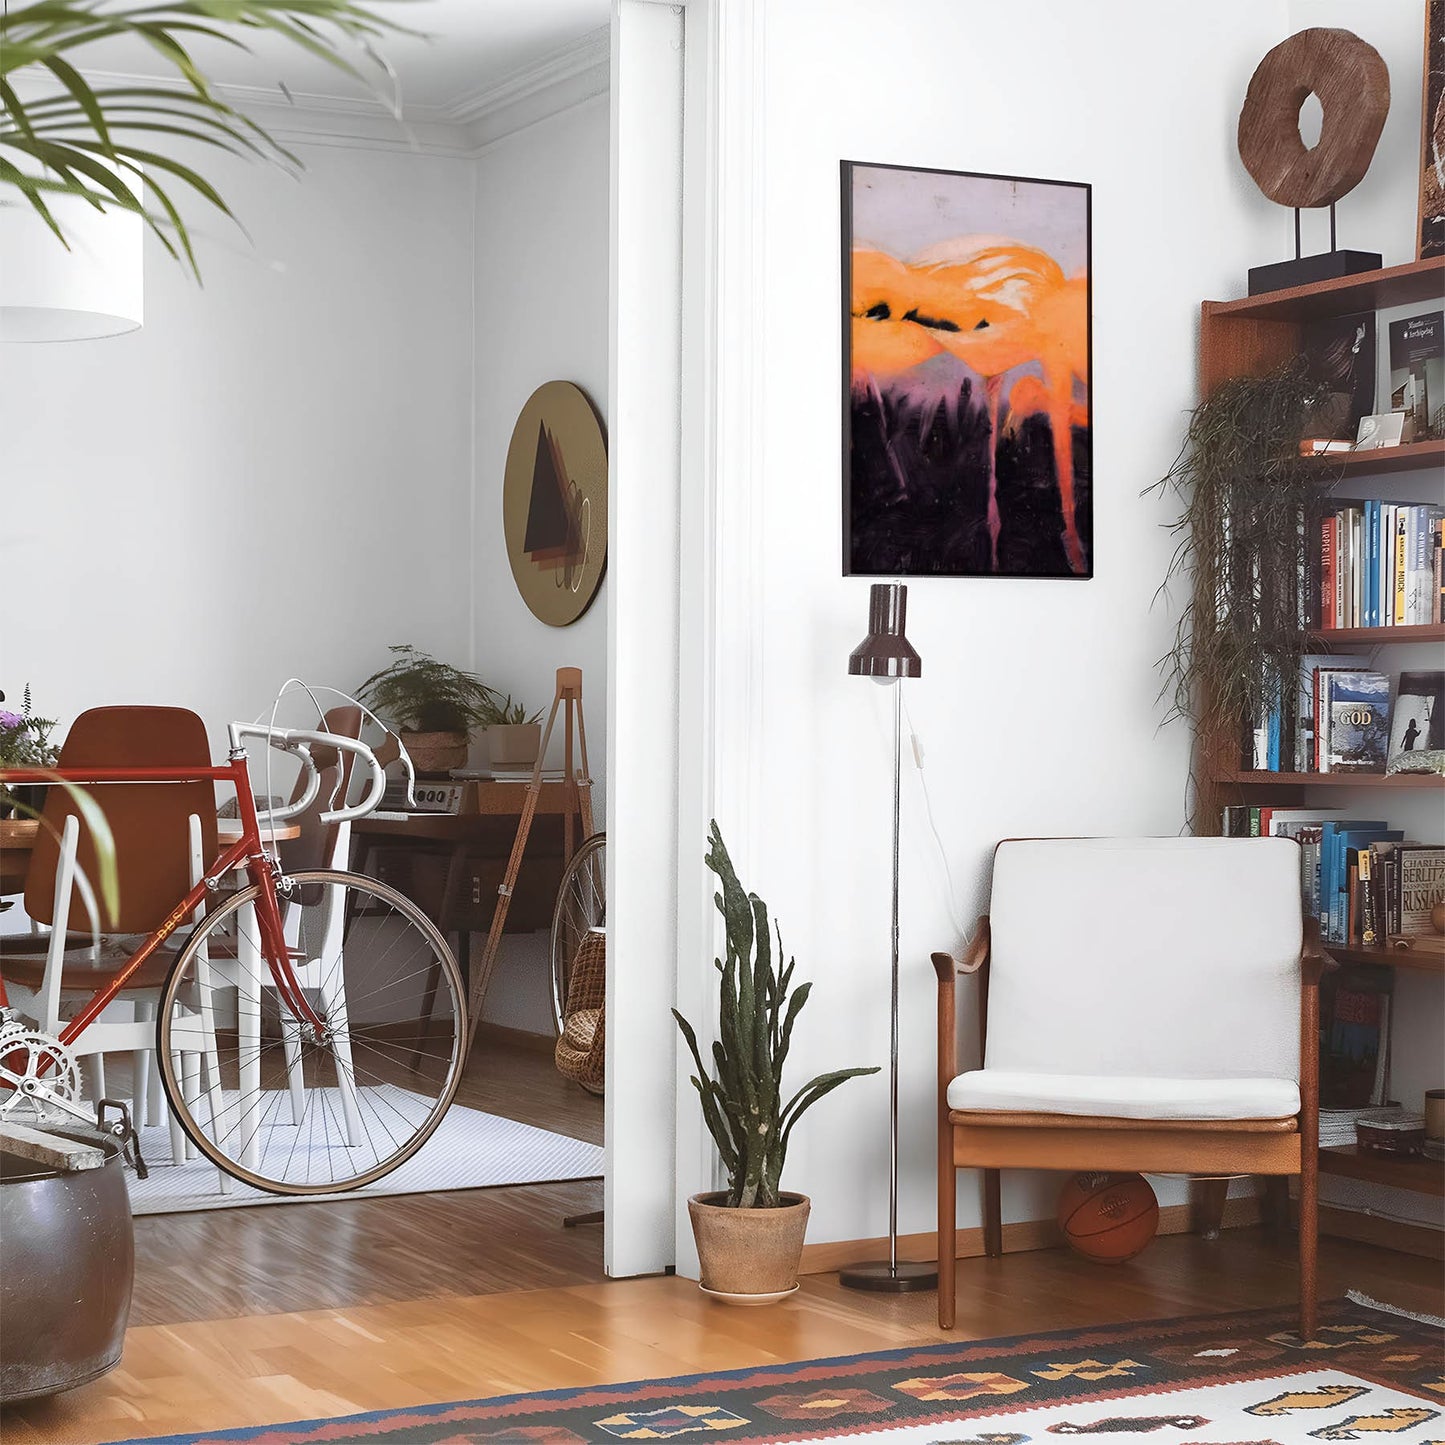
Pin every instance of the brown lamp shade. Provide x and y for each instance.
(886, 652)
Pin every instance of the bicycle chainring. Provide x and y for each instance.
(28, 1054)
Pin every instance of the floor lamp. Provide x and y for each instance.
(886, 656)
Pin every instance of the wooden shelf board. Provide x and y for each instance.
(1422, 962)
(1414, 1172)
(1331, 780)
(1416, 281)
(1409, 457)
(1374, 636)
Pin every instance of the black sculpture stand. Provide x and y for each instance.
(880, 1277)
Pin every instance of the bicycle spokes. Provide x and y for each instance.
(332, 1080)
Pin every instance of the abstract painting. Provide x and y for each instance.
(1432, 137)
(967, 444)
(554, 503)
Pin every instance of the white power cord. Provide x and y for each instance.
(915, 747)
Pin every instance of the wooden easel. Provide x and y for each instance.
(578, 784)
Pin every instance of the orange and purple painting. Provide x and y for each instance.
(966, 352)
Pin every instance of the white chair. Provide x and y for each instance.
(1144, 1004)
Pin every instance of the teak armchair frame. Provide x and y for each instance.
(995, 1140)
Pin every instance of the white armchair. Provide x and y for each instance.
(1144, 1004)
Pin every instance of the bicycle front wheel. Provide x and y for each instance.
(280, 1104)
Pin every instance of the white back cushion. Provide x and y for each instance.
(1168, 957)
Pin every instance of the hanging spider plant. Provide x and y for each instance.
(95, 142)
(1247, 495)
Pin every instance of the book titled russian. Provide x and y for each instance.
(1417, 369)
(1357, 713)
(1421, 883)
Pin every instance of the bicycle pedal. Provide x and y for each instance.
(124, 1130)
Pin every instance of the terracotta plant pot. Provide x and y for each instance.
(749, 1256)
(434, 755)
(513, 745)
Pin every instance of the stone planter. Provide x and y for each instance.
(513, 745)
(69, 1262)
(434, 755)
(748, 1256)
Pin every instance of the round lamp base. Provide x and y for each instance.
(882, 1278)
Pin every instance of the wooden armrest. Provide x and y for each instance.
(1313, 961)
(974, 957)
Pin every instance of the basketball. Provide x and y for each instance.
(1108, 1217)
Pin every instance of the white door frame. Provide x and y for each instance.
(684, 625)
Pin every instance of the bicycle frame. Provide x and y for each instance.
(248, 850)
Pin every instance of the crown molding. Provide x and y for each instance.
(554, 77)
(566, 78)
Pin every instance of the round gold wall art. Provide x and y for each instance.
(554, 503)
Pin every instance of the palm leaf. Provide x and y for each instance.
(66, 135)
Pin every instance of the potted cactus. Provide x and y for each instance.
(750, 1236)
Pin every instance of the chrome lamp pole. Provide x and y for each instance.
(887, 657)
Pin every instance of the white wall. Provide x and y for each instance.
(302, 421)
(541, 279)
(1037, 707)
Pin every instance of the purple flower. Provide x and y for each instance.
(11, 719)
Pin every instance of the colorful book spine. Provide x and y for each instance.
(1398, 604)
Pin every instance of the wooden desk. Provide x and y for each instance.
(451, 864)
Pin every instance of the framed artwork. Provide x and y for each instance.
(966, 339)
(554, 503)
(1432, 136)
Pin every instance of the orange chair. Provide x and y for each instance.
(163, 834)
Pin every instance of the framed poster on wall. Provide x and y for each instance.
(966, 337)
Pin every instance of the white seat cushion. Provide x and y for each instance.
(1117, 1097)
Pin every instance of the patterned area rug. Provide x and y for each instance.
(1238, 1379)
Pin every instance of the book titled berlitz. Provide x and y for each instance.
(1421, 883)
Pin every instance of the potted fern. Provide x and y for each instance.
(750, 1235)
(434, 704)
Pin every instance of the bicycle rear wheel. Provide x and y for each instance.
(581, 905)
(280, 1105)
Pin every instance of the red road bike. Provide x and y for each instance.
(311, 1028)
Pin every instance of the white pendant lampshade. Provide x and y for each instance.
(48, 293)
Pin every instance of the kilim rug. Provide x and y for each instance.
(1237, 1379)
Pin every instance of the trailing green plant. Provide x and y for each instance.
(1247, 493)
(417, 692)
(97, 142)
(742, 1102)
(503, 712)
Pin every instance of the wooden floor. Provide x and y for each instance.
(266, 1369)
(225, 1263)
(257, 1316)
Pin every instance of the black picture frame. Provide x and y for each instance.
(919, 496)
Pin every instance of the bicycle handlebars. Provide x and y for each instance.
(300, 741)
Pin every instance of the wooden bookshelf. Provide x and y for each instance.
(1379, 636)
(1380, 461)
(1408, 1171)
(1415, 281)
(1246, 778)
(1421, 961)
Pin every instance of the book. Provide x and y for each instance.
(1417, 720)
(1305, 759)
(1355, 715)
(1417, 369)
(1419, 884)
(1339, 353)
(1420, 587)
(1355, 1038)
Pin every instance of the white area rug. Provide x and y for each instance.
(470, 1150)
